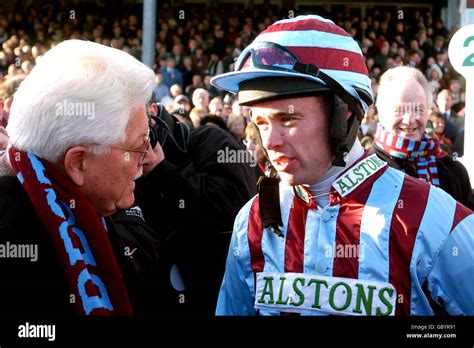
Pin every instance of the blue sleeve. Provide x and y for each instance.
(236, 293)
(451, 279)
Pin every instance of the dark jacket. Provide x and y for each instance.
(140, 250)
(27, 286)
(191, 199)
(41, 287)
(450, 130)
(453, 176)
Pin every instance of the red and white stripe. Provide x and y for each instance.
(318, 41)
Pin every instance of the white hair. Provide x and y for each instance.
(80, 93)
(197, 93)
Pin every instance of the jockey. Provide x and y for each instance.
(334, 230)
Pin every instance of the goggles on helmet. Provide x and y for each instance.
(267, 55)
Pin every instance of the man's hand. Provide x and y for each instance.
(3, 138)
(159, 154)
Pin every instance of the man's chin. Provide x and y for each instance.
(126, 202)
(289, 179)
(301, 179)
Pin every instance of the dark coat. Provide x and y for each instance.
(41, 286)
(450, 130)
(191, 199)
(27, 286)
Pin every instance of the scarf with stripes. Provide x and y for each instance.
(78, 236)
(423, 153)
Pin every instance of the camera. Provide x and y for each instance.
(163, 126)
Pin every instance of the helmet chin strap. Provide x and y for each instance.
(342, 130)
(269, 193)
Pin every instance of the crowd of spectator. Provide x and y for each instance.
(194, 43)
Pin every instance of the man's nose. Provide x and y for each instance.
(149, 157)
(408, 117)
(273, 137)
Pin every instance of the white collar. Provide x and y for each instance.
(320, 189)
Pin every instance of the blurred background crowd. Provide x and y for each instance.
(195, 42)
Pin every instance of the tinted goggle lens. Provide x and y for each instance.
(266, 55)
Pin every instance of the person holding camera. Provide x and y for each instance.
(189, 196)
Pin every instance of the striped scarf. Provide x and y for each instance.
(423, 153)
(79, 238)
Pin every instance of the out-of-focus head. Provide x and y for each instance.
(197, 80)
(454, 86)
(252, 143)
(176, 90)
(182, 104)
(236, 125)
(438, 122)
(170, 62)
(7, 90)
(444, 100)
(214, 121)
(216, 106)
(201, 99)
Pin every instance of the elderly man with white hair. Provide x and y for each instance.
(403, 102)
(78, 139)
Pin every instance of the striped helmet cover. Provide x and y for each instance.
(313, 40)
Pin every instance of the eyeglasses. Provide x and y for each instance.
(143, 152)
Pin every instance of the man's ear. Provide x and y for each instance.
(153, 109)
(76, 163)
